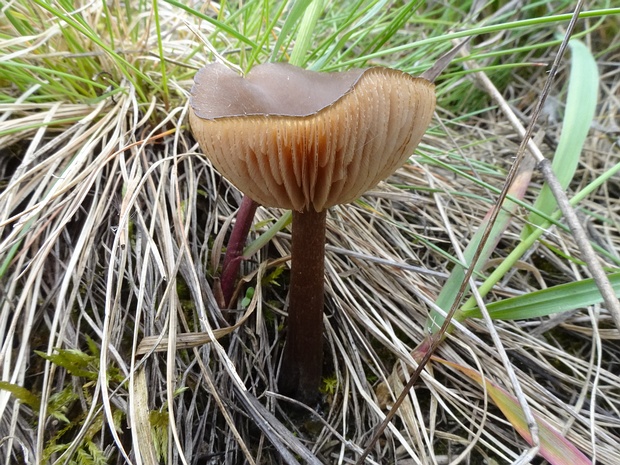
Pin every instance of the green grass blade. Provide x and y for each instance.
(529, 241)
(162, 57)
(34, 73)
(79, 25)
(404, 13)
(556, 299)
(219, 24)
(450, 289)
(266, 237)
(494, 28)
(349, 33)
(306, 32)
(296, 12)
(19, 22)
(580, 106)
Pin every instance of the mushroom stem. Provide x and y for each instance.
(234, 250)
(300, 373)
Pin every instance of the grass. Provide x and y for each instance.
(112, 226)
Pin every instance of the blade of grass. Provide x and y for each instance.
(50, 74)
(219, 24)
(553, 446)
(19, 22)
(529, 241)
(306, 32)
(348, 33)
(162, 58)
(556, 299)
(496, 28)
(266, 237)
(581, 101)
(123, 65)
(450, 289)
(263, 42)
(295, 13)
(403, 14)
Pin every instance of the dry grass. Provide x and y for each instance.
(109, 219)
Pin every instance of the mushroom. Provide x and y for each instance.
(306, 141)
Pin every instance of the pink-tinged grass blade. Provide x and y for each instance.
(554, 447)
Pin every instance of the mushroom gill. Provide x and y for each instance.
(299, 139)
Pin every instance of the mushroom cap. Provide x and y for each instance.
(298, 139)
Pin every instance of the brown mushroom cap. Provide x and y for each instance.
(298, 139)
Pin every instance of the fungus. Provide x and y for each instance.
(306, 141)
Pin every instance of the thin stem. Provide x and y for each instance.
(300, 373)
(589, 256)
(234, 250)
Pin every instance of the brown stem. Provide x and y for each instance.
(300, 373)
(234, 250)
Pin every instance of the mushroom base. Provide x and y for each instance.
(302, 361)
